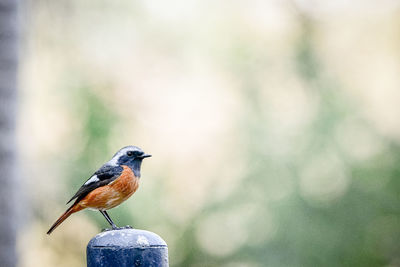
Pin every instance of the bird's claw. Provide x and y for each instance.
(117, 228)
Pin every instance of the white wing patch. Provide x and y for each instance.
(92, 179)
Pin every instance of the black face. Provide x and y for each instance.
(134, 153)
(131, 157)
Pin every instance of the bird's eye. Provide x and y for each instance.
(129, 153)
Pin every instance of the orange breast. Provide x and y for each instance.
(113, 194)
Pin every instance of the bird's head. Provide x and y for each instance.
(130, 156)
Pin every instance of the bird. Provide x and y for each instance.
(109, 186)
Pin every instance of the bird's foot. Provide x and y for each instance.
(117, 228)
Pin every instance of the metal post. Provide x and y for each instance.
(127, 247)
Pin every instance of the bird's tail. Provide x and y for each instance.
(74, 208)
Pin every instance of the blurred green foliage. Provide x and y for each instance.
(308, 195)
(361, 228)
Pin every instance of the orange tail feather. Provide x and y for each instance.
(74, 208)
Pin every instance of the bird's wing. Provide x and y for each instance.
(105, 175)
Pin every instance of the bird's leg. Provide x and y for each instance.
(114, 227)
(105, 214)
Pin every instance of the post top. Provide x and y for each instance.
(132, 238)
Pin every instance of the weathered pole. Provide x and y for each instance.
(127, 247)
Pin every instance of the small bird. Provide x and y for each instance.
(109, 186)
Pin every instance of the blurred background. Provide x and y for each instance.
(273, 125)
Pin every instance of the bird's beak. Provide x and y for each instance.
(145, 156)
